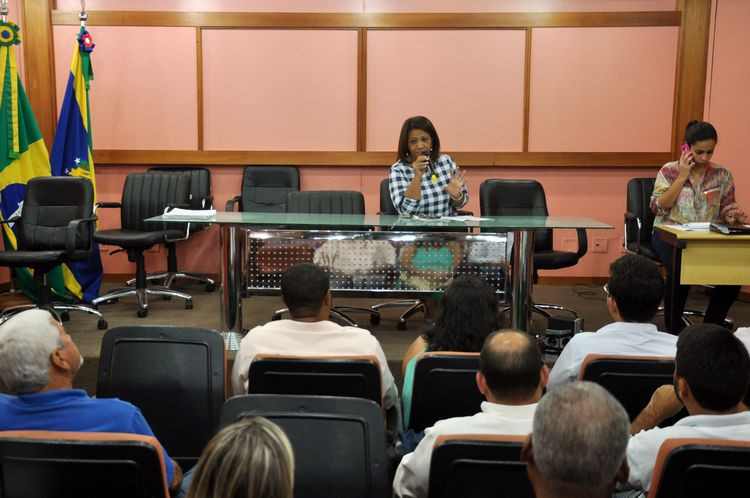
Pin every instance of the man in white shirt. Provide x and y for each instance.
(634, 292)
(511, 376)
(577, 446)
(305, 291)
(712, 374)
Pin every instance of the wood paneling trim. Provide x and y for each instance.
(692, 63)
(199, 75)
(362, 89)
(370, 20)
(380, 159)
(38, 51)
(526, 90)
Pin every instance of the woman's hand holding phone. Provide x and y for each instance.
(686, 161)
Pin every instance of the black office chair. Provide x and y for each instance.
(414, 306)
(39, 464)
(329, 202)
(175, 375)
(351, 376)
(56, 226)
(696, 468)
(630, 379)
(527, 198)
(639, 226)
(338, 443)
(146, 195)
(444, 386)
(200, 198)
(478, 466)
(264, 189)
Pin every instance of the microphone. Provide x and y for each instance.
(429, 163)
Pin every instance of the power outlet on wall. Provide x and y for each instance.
(600, 245)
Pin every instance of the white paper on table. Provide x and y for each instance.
(190, 213)
(465, 218)
(696, 226)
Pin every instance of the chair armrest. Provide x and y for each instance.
(631, 216)
(231, 202)
(72, 232)
(207, 202)
(583, 242)
(108, 204)
(181, 205)
(461, 212)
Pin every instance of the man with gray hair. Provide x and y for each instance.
(38, 361)
(578, 442)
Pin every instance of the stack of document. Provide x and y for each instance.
(696, 226)
(190, 213)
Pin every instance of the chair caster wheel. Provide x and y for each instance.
(64, 316)
(189, 304)
(142, 312)
(210, 287)
(102, 324)
(374, 319)
(401, 325)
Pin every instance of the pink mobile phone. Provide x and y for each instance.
(685, 149)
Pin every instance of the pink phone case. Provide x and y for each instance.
(685, 149)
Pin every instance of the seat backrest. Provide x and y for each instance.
(338, 443)
(516, 198)
(444, 386)
(478, 466)
(386, 203)
(147, 194)
(175, 375)
(639, 203)
(354, 376)
(200, 183)
(50, 204)
(326, 202)
(38, 464)
(264, 188)
(630, 379)
(693, 468)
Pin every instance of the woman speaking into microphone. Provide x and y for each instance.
(424, 182)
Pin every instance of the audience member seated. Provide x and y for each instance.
(468, 314)
(634, 292)
(38, 361)
(712, 373)
(577, 446)
(251, 458)
(306, 292)
(511, 377)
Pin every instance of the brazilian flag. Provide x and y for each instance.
(72, 155)
(23, 154)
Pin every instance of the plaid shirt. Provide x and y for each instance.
(708, 200)
(435, 200)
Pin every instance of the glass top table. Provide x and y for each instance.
(521, 261)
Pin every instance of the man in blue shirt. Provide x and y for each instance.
(38, 361)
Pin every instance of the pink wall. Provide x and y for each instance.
(602, 89)
(469, 82)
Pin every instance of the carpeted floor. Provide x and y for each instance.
(587, 300)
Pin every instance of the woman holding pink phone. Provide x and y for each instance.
(694, 189)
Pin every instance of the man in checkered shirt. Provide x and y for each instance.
(423, 181)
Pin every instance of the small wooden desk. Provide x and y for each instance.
(706, 258)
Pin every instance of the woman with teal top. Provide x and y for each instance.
(429, 265)
(468, 314)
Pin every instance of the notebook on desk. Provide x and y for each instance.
(735, 229)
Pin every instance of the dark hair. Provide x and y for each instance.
(715, 364)
(512, 372)
(695, 131)
(417, 123)
(468, 313)
(636, 286)
(303, 289)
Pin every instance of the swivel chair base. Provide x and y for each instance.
(169, 278)
(335, 314)
(415, 306)
(61, 309)
(142, 295)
